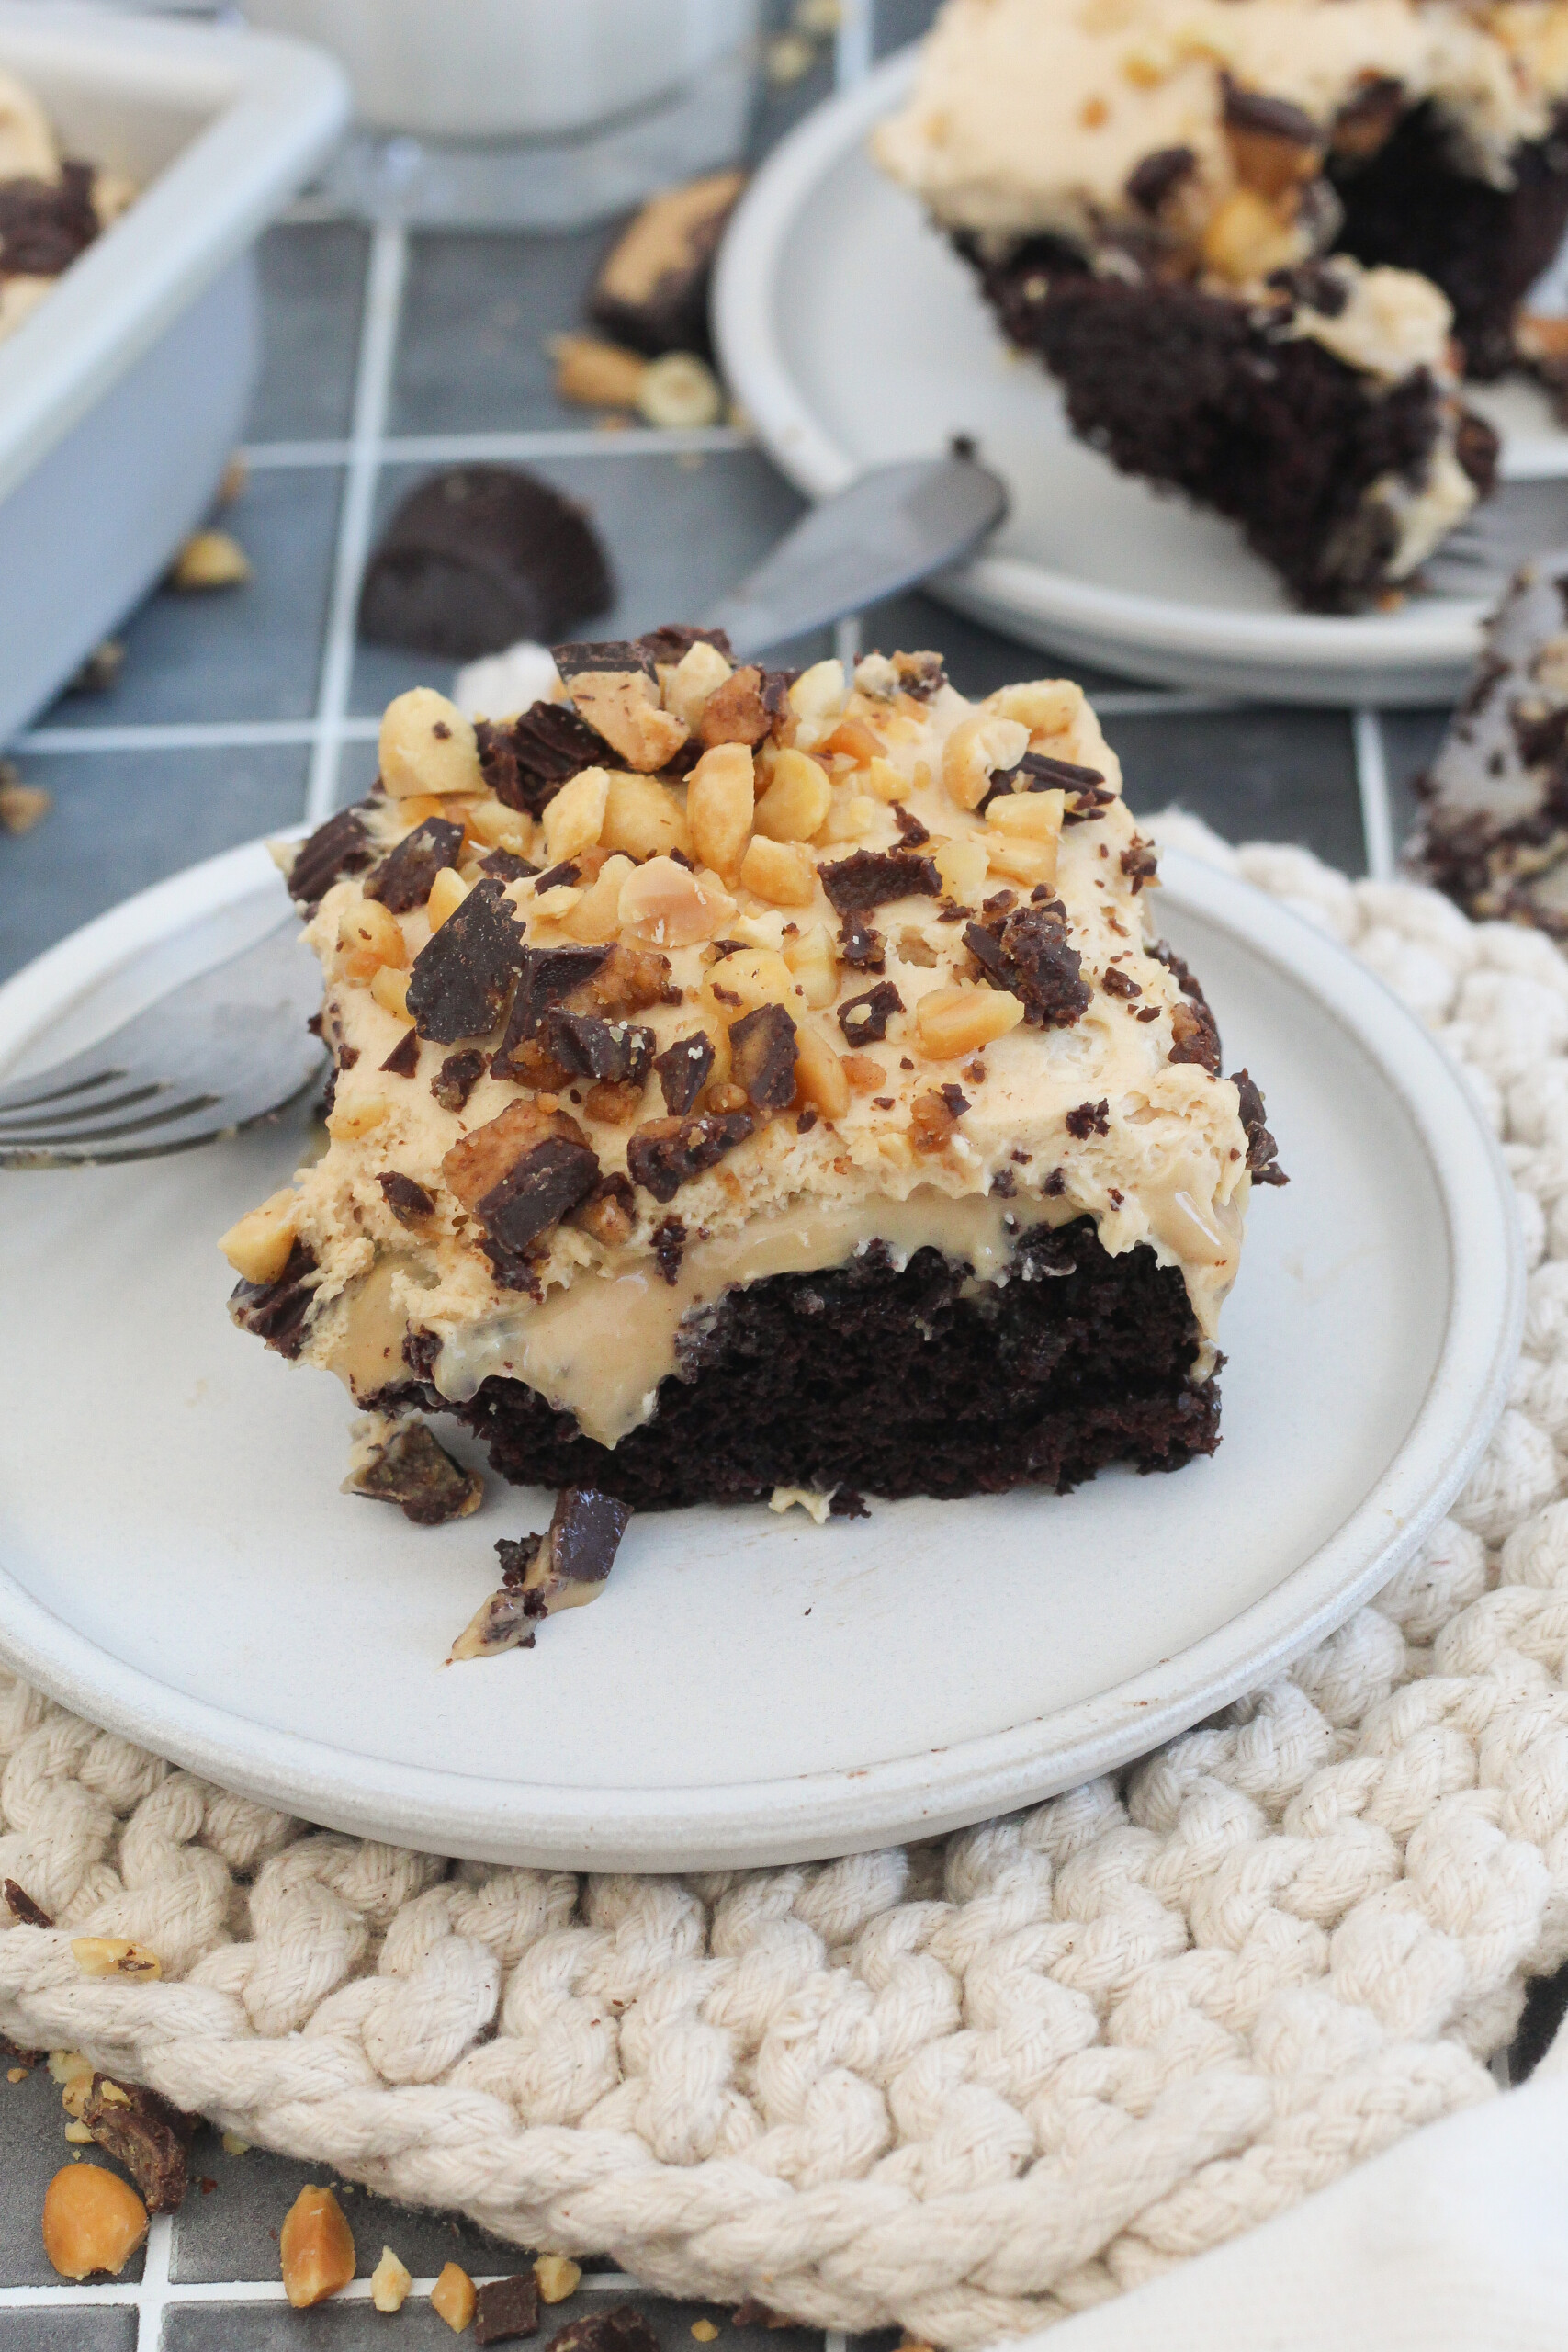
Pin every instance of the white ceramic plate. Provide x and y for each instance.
(176, 1561)
(853, 334)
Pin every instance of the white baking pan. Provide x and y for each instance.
(125, 391)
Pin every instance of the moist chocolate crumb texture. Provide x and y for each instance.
(1257, 241)
(51, 210)
(748, 1081)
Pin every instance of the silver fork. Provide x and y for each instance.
(230, 1046)
(1480, 555)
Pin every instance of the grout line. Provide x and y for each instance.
(372, 390)
(149, 2300)
(1175, 702)
(452, 448)
(1372, 782)
(854, 43)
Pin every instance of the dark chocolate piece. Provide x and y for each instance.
(1193, 1027)
(517, 1556)
(1089, 1119)
(616, 657)
(911, 830)
(544, 1185)
(871, 878)
(672, 640)
(546, 975)
(44, 224)
(1139, 862)
(670, 1247)
(457, 1077)
(1262, 1151)
(957, 1101)
(1120, 983)
(664, 1154)
(526, 763)
(1159, 176)
(1092, 802)
(585, 1534)
(651, 292)
(478, 556)
(414, 1472)
(921, 674)
(1250, 111)
(505, 865)
(408, 1201)
(461, 979)
(403, 1059)
(21, 1907)
(277, 1311)
(144, 2134)
(404, 875)
(620, 2329)
(683, 1068)
(588, 1046)
(1028, 953)
(559, 876)
(864, 1019)
(847, 1504)
(861, 946)
(761, 1048)
(507, 2310)
(340, 846)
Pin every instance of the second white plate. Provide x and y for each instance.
(853, 335)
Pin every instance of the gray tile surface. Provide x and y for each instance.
(476, 313)
(311, 282)
(81, 2329)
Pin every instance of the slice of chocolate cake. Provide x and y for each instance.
(747, 1084)
(1150, 194)
(1494, 831)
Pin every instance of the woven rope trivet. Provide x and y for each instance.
(972, 2087)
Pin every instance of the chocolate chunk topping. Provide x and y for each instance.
(589, 1047)
(1364, 122)
(1262, 1151)
(457, 1077)
(526, 763)
(1028, 953)
(403, 877)
(1139, 862)
(340, 846)
(22, 1907)
(911, 831)
(1193, 1028)
(672, 640)
(562, 876)
(412, 1470)
(620, 2329)
(507, 2308)
(957, 1101)
(277, 1311)
(1120, 983)
(847, 1504)
(1158, 175)
(609, 1213)
(144, 2134)
(1056, 1184)
(670, 1247)
(664, 1154)
(1271, 117)
(864, 1019)
(544, 1185)
(546, 976)
(517, 1558)
(1089, 1119)
(1092, 801)
(762, 1048)
(869, 878)
(403, 1059)
(408, 1201)
(478, 556)
(683, 1071)
(615, 656)
(1004, 1184)
(585, 1534)
(921, 675)
(1040, 774)
(861, 946)
(44, 224)
(460, 981)
(507, 866)
(1313, 285)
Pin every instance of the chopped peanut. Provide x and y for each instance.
(866, 1074)
(346, 1122)
(427, 746)
(391, 990)
(978, 749)
(1020, 859)
(210, 560)
(854, 739)
(679, 388)
(962, 866)
(667, 905)
(883, 780)
(453, 2298)
(950, 1022)
(1246, 237)
(781, 872)
(115, 1956)
(448, 893)
(1034, 816)
(596, 916)
(92, 2221)
(574, 819)
(498, 827)
(751, 977)
(812, 959)
(721, 796)
(698, 675)
(316, 2248)
(368, 936)
(1045, 705)
(819, 692)
(558, 2277)
(389, 2282)
(258, 1247)
(820, 1078)
(797, 799)
(849, 819)
(643, 817)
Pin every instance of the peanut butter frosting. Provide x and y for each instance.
(790, 968)
(1035, 115)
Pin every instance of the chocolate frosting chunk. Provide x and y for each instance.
(402, 879)
(461, 979)
(683, 1069)
(869, 878)
(526, 763)
(664, 1154)
(340, 846)
(761, 1048)
(1028, 953)
(591, 1047)
(864, 1019)
(1262, 1151)
(544, 1185)
(545, 976)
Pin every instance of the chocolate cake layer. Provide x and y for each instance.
(893, 1381)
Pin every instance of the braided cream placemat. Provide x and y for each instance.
(971, 2088)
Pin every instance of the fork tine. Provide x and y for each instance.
(43, 1116)
(28, 1140)
(17, 1098)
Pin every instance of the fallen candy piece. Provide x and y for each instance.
(478, 556)
(620, 2329)
(409, 1468)
(652, 288)
(22, 1907)
(507, 2308)
(564, 1568)
(144, 2134)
